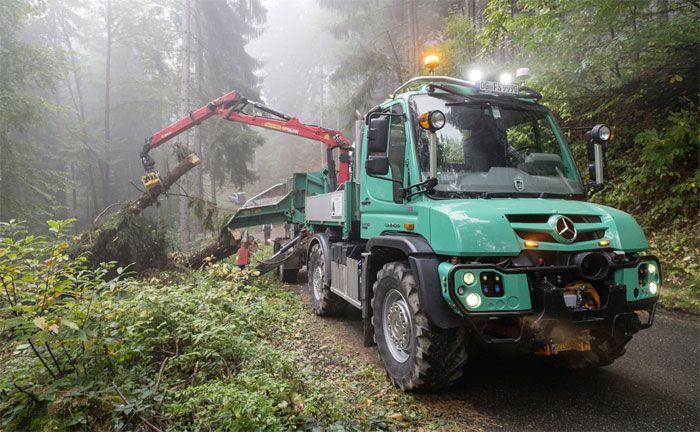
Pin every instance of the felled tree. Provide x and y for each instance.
(126, 237)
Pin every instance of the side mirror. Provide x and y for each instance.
(378, 135)
(596, 139)
(377, 165)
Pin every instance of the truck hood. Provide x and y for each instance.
(499, 227)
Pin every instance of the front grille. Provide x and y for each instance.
(543, 218)
(541, 234)
(545, 237)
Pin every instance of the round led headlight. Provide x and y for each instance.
(653, 288)
(506, 78)
(601, 133)
(432, 120)
(651, 268)
(473, 300)
(469, 278)
(437, 119)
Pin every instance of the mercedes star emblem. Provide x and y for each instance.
(564, 229)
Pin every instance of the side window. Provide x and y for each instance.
(397, 149)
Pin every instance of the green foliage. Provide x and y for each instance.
(48, 329)
(28, 185)
(659, 178)
(678, 248)
(184, 351)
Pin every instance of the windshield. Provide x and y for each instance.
(495, 147)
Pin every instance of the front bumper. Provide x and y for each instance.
(535, 311)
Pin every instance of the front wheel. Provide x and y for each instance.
(416, 354)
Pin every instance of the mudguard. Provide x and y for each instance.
(424, 265)
(324, 240)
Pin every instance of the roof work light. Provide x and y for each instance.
(475, 75)
(431, 62)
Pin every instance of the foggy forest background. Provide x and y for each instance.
(84, 82)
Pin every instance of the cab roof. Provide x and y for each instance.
(428, 84)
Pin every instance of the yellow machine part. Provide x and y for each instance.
(150, 180)
(581, 342)
(588, 292)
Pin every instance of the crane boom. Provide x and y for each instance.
(230, 107)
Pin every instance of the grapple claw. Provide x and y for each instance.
(150, 180)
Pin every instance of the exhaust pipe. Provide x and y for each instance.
(592, 265)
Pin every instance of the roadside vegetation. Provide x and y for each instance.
(221, 348)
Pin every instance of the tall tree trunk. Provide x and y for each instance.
(413, 58)
(212, 191)
(184, 110)
(93, 192)
(199, 132)
(104, 164)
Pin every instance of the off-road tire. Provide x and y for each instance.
(605, 349)
(323, 301)
(435, 357)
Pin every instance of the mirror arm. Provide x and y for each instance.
(593, 187)
(428, 185)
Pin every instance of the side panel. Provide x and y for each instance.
(327, 207)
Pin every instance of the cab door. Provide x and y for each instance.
(382, 205)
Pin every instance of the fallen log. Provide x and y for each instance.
(224, 247)
(126, 237)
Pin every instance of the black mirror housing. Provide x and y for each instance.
(378, 135)
(377, 165)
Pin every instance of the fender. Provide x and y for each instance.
(424, 264)
(324, 240)
(408, 244)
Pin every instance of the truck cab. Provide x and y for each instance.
(465, 222)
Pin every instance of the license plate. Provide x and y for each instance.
(496, 87)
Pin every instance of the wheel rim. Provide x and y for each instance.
(398, 325)
(317, 283)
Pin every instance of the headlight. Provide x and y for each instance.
(473, 300)
(469, 278)
(651, 268)
(506, 78)
(432, 120)
(653, 288)
(600, 133)
(475, 75)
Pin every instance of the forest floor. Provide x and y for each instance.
(334, 348)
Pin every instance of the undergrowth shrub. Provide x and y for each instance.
(177, 351)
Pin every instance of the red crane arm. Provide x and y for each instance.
(230, 107)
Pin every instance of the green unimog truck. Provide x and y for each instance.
(465, 221)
